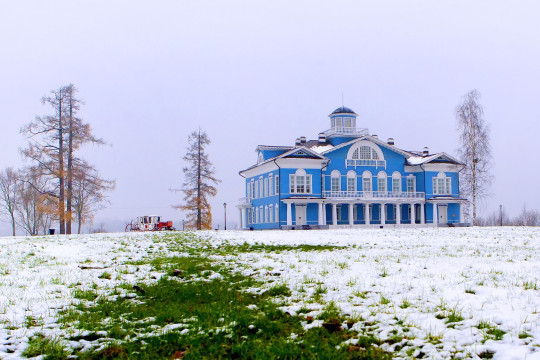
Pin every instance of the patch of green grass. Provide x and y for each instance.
(212, 319)
(405, 304)
(384, 301)
(105, 275)
(51, 348)
(279, 290)
(491, 332)
(530, 285)
(454, 316)
(524, 335)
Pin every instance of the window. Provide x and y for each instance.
(381, 182)
(396, 182)
(277, 185)
(261, 214)
(276, 210)
(366, 181)
(442, 185)
(411, 186)
(270, 213)
(266, 214)
(256, 189)
(265, 187)
(261, 190)
(260, 158)
(335, 178)
(256, 215)
(270, 185)
(338, 212)
(351, 181)
(365, 153)
(300, 182)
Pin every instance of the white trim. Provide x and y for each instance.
(369, 144)
(433, 167)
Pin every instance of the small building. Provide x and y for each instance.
(349, 178)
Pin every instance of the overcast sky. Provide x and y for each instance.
(266, 72)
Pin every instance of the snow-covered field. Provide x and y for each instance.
(454, 293)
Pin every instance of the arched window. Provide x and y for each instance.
(366, 181)
(365, 153)
(351, 181)
(266, 214)
(270, 185)
(381, 181)
(261, 214)
(300, 182)
(335, 179)
(270, 213)
(276, 210)
(442, 185)
(396, 182)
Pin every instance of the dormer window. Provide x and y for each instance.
(260, 159)
(365, 153)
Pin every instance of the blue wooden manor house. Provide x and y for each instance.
(348, 178)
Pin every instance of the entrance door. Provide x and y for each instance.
(443, 214)
(300, 215)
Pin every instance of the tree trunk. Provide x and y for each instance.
(199, 202)
(13, 223)
(61, 199)
(69, 164)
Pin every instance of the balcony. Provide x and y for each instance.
(346, 131)
(244, 201)
(362, 162)
(373, 195)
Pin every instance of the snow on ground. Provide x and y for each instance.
(393, 279)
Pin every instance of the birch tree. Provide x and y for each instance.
(9, 196)
(475, 150)
(199, 182)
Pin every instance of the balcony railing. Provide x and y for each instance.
(362, 162)
(373, 195)
(243, 201)
(346, 131)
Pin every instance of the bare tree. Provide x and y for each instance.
(475, 150)
(35, 207)
(198, 184)
(88, 194)
(78, 134)
(8, 196)
(527, 217)
(53, 141)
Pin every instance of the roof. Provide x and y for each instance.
(272, 147)
(299, 149)
(343, 110)
(419, 160)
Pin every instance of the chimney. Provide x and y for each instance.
(374, 136)
(322, 138)
(426, 151)
(302, 139)
(297, 142)
(390, 141)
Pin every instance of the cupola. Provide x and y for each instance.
(343, 120)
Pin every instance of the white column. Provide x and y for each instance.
(413, 214)
(461, 213)
(435, 220)
(289, 214)
(398, 214)
(321, 213)
(422, 214)
(351, 213)
(383, 214)
(324, 214)
(366, 214)
(242, 224)
(334, 214)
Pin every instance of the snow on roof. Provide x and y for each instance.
(321, 148)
